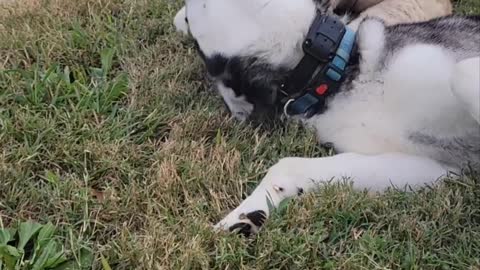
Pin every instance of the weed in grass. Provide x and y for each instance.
(33, 246)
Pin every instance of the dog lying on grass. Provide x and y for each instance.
(400, 103)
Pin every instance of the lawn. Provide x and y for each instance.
(109, 131)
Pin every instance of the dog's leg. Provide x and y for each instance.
(466, 85)
(293, 176)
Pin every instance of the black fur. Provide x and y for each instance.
(437, 31)
(243, 228)
(257, 217)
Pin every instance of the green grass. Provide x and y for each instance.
(108, 130)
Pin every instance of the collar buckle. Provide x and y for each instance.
(327, 47)
(324, 37)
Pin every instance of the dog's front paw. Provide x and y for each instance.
(244, 223)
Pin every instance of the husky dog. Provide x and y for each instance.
(401, 103)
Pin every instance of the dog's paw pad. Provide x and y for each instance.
(257, 217)
(242, 228)
(249, 223)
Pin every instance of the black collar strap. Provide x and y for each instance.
(327, 47)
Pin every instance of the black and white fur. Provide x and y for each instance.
(408, 113)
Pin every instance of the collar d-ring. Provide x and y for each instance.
(285, 107)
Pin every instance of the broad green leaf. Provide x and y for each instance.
(118, 88)
(45, 234)
(96, 72)
(9, 256)
(26, 231)
(105, 264)
(85, 261)
(70, 265)
(283, 206)
(9, 262)
(9, 250)
(47, 251)
(5, 237)
(12, 231)
(56, 259)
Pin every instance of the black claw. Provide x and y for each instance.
(243, 228)
(258, 217)
(328, 146)
(299, 191)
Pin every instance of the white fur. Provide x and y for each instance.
(371, 39)
(238, 105)
(245, 27)
(180, 21)
(284, 179)
(361, 120)
(466, 85)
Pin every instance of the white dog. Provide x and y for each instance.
(400, 103)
